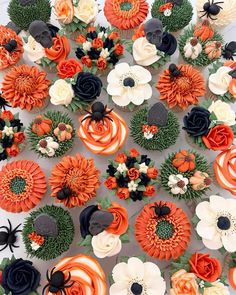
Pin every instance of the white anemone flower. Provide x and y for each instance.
(48, 146)
(217, 225)
(137, 277)
(129, 84)
(178, 184)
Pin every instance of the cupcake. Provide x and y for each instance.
(22, 186)
(51, 134)
(103, 228)
(99, 49)
(200, 44)
(175, 15)
(18, 276)
(181, 86)
(222, 81)
(79, 274)
(48, 232)
(76, 93)
(185, 175)
(102, 130)
(198, 273)
(137, 277)
(74, 181)
(225, 170)
(232, 271)
(12, 136)
(11, 47)
(25, 87)
(129, 86)
(162, 230)
(131, 176)
(215, 222)
(211, 126)
(125, 16)
(154, 128)
(23, 12)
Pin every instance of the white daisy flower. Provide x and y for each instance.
(143, 168)
(87, 46)
(178, 184)
(48, 146)
(8, 131)
(121, 168)
(132, 186)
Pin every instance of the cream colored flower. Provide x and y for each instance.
(219, 81)
(223, 112)
(178, 184)
(192, 49)
(34, 50)
(217, 288)
(61, 93)
(64, 11)
(86, 11)
(48, 146)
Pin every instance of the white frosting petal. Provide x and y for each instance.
(229, 242)
(144, 53)
(219, 82)
(206, 230)
(223, 112)
(34, 50)
(213, 244)
(61, 93)
(86, 10)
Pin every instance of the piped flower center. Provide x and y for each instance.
(223, 223)
(62, 127)
(207, 181)
(38, 121)
(24, 84)
(18, 185)
(164, 229)
(181, 184)
(129, 82)
(136, 289)
(43, 143)
(126, 6)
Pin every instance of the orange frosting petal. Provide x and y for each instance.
(59, 50)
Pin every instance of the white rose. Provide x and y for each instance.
(61, 93)
(219, 81)
(106, 244)
(223, 112)
(217, 288)
(86, 11)
(34, 50)
(144, 53)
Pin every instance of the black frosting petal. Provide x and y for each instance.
(84, 219)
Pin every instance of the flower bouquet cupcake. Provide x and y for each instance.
(48, 232)
(131, 176)
(232, 271)
(215, 222)
(175, 15)
(99, 49)
(22, 186)
(185, 175)
(81, 274)
(74, 181)
(126, 16)
(103, 228)
(198, 273)
(136, 277)
(163, 230)
(129, 86)
(181, 86)
(200, 44)
(26, 87)
(211, 126)
(51, 134)
(102, 130)
(12, 136)
(154, 128)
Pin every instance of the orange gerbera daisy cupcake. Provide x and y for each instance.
(25, 87)
(74, 181)
(163, 230)
(181, 86)
(22, 186)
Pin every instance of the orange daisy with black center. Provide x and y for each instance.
(163, 230)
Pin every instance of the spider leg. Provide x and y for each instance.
(5, 228)
(18, 231)
(15, 246)
(10, 246)
(15, 230)
(47, 276)
(68, 279)
(212, 17)
(86, 117)
(203, 14)
(4, 247)
(10, 225)
(70, 285)
(108, 118)
(108, 112)
(51, 272)
(44, 289)
(220, 2)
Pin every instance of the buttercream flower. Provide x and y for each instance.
(8, 131)
(63, 131)
(61, 93)
(101, 63)
(223, 112)
(217, 288)
(123, 193)
(122, 168)
(232, 88)
(86, 10)
(86, 60)
(121, 158)
(134, 153)
(64, 11)
(97, 43)
(13, 151)
(110, 182)
(119, 225)
(184, 161)
(68, 68)
(152, 172)
(178, 184)
(87, 45)
(19, 137)
(34, 50)
(133, 173)
(129, 84)
(114, 35)
(41, 125)
(217, 225)
(192, 49)
(48, 146)
(183, 282)
(204, 31)
(132, 186)
(59, 50)
(119, 49)
(200, 181)
(81, 39)
(145, 53)
(7, 115)
(219, 81)
(136, 277)
(104, 53)
(149, 191)
(213, 49)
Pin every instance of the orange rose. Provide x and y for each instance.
(101, 63)
(150, 191)
(184, 283)
(119, 49)
(59, 50)
(91, 29)
(81, 39)
(19, 137)
(134, 153)
(7, 115)
(123, 193)
(121, 158)
(152, 172)
(138, 33)
(13, 151)
(120, 223)
(110, 182)
(114, 35)
(204, 267)
(97, 43)
(68, 68)
(75, 289)
(64, 11)
(232, 88)
(86, 61)
(133, 173)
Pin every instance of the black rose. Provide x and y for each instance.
(196, 123)
(20, 277)
(53, 30)
(16, 123)
(3, 156)
(88, 87)
(136, 196)
(169, 44)
(7, 142)
(145, 159)
(2, 124)
(113, 59)
(93, 53)
(79, 53)
(144, 179)
(92, 35)
(84, 219)
(108, 44)
(123, 181)
(111, 170)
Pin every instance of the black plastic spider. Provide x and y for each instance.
(229, 50)
(9, 237)
(57, 282)
(211, 8)
(3, 103)
(174, 71)
(98, 113)
(161, 209)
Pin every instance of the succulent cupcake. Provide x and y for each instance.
(74, 181)
(125, 16)
(129, 86)
(163, 230)
(200, 44)
(211, 126)
(185, 175)
(175, 15)
(131, 176)
(51, 134)
(18, 276)
(12, 136)
(103, 228)
(154, 128)
(22, 186)
(232, 271)
(102, 130)
(48, 232)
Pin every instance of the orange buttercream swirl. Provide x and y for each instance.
(59, 50)
(104, 137)
(126, 14)
(225, 169)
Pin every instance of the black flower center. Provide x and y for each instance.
(223, 223)
(136, 289)
(129, 82)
